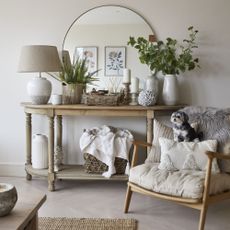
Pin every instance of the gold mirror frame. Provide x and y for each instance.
(132, 61)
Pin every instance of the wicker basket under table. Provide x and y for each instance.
(93, 165)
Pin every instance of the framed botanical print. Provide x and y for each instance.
(115, 60)
(90, 53)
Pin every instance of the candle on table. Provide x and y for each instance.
(126, 75)
(134, 85)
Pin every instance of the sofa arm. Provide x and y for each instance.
(142, 143)
(211, 156)
(217, 155)
(136, 145)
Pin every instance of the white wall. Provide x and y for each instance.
(45, 22)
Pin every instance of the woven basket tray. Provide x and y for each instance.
(109, 100)
(93, 165)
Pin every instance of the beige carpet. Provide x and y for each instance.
(48, 223)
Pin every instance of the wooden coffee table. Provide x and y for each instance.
(24, 216)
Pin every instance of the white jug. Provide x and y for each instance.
(39, 151)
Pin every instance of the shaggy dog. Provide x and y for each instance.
(182, 130)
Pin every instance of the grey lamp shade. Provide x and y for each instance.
(39, 58)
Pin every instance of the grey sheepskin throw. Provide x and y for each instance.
(213, 122)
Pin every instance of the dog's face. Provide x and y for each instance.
(178, 118)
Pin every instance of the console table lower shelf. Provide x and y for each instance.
(55, 114)
(73, 172)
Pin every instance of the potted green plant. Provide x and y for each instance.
(170, 58)
(74, 77)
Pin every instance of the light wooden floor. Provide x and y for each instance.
(106, 199)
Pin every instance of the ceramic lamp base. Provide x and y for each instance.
(39, 89)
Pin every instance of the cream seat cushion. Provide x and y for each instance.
(182, 183)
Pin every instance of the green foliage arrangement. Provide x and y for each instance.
(76, 73)
(168, 57)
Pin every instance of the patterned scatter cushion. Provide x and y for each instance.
(159, 130)
(186, 155)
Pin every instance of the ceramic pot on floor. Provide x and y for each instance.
(39, 151)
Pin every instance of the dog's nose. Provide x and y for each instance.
(174, 119)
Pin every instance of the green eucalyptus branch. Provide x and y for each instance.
(168, 57)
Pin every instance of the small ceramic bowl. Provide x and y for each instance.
(8, 198)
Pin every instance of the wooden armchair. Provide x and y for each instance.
(201, 203)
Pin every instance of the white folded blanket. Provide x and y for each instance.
(106, 143)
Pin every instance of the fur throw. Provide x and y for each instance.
(214, 123)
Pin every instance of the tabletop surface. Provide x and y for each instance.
(26, 207)
(93, 107)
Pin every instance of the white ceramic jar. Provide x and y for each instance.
(39, 151)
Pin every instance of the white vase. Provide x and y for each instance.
(39, 151)
(170, 90)
(39, 89)
(152, 84)
(72, 93)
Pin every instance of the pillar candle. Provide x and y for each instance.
(126, 75)
(134, 85)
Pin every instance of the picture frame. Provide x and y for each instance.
(90, 53)
(115, 60)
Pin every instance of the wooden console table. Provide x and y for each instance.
(57, 111)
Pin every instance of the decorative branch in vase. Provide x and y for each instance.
(170, 58)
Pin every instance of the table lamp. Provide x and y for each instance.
(39, 58)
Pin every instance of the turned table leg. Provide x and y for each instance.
(58, 148)
(59, 131)
(28, 143)
(149, 134)
(51, 175)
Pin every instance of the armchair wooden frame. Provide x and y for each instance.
(199, 204)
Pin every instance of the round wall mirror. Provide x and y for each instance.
(102, 34)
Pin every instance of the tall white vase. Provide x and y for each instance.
(39, 151)
(170, 90)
